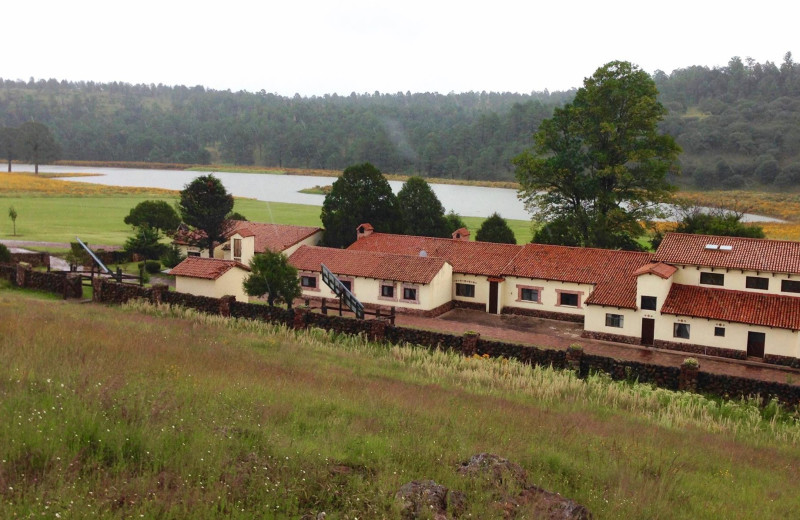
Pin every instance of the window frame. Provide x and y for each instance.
(346, 280)
(385, 285)
(409, 287)
(790, 283)
(711, 278)
(615, 320)
(677, 327)
(309, 276)
(655, 303)
(755, 280)
(560, 295)
(470, 286)
(719, 332)
(237, 249)
(536, 289)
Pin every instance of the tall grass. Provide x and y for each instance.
(159, 412)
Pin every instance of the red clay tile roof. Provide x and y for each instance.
(272, 237)
(771, 310)
(208, 268)
(611, 272)
(663, 270)
(368, 264)
(466, 257)
(753, 254)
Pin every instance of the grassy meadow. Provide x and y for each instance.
(129, 412)
(53, 210)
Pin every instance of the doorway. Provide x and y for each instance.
(493, 297)
(648, 331)
(755, 344)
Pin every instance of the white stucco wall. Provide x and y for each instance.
(595, 321)
(368, 290)
(782, 342)
(309, 241)
(734, 279)
(548, 295)
(229, 283)
(481, 284)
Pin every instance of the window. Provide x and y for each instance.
(614, 320)
(757, 282)
(712, 278)
(465, 289)
(348, 284)
(237, 249)
(530, 295)
(719, 332)
(568, 299)
(193, 253)
(680, 330)
(790, 286)
(309, 282)
(410, 293)
(649, 303)
(387, 290)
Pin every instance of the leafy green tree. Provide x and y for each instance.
(156, 214)
(203, 204)
(454, 221)
(360, 195)
(8, 143)
(145, 242)
(35, 143)
(715, 222)
(495, 229)
(422, 212)
(599, 165)
(12, 214)
(235, 215)
(273, 276)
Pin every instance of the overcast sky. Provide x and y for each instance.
(318, 47)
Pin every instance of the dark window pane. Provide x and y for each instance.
(757, 282)
(719, 331)
(790, 286)
(649, 303)
(569, 299)
(466, 290)
(681, 330)
(387, 291)
(712, 278)
(531, 295)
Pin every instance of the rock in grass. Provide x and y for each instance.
(427, 499)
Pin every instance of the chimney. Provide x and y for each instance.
(461, 234)
(363, 231)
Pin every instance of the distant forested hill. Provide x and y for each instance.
(738, 125)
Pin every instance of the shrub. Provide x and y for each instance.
(172, 257)
(152, 266)
(5, 254)
(691, 363)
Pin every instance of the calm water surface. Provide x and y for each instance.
(468, 201)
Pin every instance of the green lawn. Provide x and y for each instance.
(99, 219)
(142, 413)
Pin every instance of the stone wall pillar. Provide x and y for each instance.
(574, 357)
(73, 286)
(377, 330)
(469, 343)
(225, 305)
(299, 320)
(23, 271)
(157, 293)
(97, 289)
(687, 379)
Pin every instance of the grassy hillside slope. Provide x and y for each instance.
(126, 412)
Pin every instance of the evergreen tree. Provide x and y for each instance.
(422, 212)
(495, 229)
(361, 195)
(203, 204)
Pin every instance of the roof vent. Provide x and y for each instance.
(712, 247)
(423, 253)
(725, 248)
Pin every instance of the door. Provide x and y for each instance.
(755, 344)
(493, 297)
(648, 330)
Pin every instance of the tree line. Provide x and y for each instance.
(738, 125)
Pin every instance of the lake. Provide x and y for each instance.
(468, 201)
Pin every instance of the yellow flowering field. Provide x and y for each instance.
(780, 205)
(31, 184)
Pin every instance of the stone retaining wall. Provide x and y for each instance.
(550, 315)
